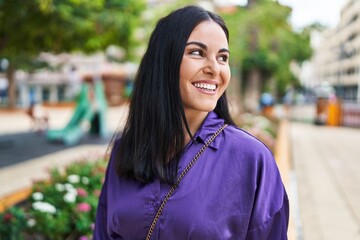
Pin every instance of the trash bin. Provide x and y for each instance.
(266, 104)
(334, 112)
(321, 111)
(325, 97)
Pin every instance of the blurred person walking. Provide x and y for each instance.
(39, 117)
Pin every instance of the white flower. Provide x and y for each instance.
(44, 207)
(31, 222)
(73, 178)
(59, 187)
(70, 197)
(37, 196)
(69, 187)
(72, 191)
(85, 180)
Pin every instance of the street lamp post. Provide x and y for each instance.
(343, 54)
(358, 84)
(346, 50)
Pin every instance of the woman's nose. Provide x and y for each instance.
(212, 67)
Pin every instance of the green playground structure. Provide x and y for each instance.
(89, 116)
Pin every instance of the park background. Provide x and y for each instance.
(286, 76)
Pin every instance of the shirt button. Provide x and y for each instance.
(155, 204)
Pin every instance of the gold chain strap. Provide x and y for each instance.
(182, 175)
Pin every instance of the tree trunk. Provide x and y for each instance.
(234, 92)
(10, 74)
(252, 90)
(251, 3)
(254, 76)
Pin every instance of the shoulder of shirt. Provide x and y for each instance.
(112, 148)
(241, 139)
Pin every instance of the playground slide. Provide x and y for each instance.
(89, 116)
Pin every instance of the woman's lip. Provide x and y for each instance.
(205, 91)
(206, 81)
(204, 87)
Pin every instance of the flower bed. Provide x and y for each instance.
(261, 127)
(62, 207)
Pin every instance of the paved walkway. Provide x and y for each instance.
(325, 185)
(21, 147)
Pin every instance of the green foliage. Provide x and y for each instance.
(152, 15)
(12, 222)
(30, 27)
(62, 207)
(262, 38)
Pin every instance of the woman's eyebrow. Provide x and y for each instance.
(198, 44)
(203, 46)
(224, 50)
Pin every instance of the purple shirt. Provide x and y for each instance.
(234, 191)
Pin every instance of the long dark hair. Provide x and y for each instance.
(153, 137)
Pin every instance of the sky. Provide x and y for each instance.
(305, 12)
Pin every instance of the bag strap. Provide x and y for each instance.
(182, 175)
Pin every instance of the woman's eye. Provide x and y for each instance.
(196, 52)
(223, 58)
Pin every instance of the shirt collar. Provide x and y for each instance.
(210, 125)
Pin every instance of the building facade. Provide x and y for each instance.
(336, 59)
(63, 85)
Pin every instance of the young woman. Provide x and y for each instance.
(231, 190)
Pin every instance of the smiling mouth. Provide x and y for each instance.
(206, 86)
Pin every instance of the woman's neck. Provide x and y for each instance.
(194, 120)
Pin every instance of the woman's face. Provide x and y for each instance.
(204, 70)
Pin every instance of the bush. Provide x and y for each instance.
(62, 207)
(260, 127)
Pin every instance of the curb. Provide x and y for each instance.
(282, 151)
(14, 198)
(283, 160)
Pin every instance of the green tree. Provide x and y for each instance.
(30, 27)
(263, 45)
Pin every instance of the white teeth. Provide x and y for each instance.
(207, 86)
